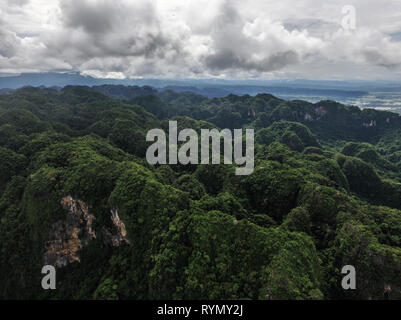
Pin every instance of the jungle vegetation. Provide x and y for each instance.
(325, 193)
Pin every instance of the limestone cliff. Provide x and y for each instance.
(68, 236)
(120, 234)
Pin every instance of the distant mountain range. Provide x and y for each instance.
(63, 79)
(311, 90)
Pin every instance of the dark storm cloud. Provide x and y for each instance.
(106, 16)
(8, 41)
(234, 50)
(112, 28)
(374, 56)
(112, 36)
(91, 16)
(279, 60)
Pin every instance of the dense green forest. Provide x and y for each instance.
(77, 192)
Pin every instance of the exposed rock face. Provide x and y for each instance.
(371, 124)
(68, 236)
(321, 111)
(120, 235)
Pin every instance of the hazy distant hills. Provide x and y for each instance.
(368, 94)
(208, 86)
(49, 80)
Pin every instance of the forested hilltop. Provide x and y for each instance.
(77, 193)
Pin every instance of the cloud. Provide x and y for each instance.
(9, 42)
(258, 45)
(105, 28)
(92, 17)
(17, 3)
(113, 36)
(199, 38)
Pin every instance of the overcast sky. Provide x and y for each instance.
(203, 38)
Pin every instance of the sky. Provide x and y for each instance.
(228, 39)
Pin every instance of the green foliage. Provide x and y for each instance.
(294, 135)
(226, 203)
(107, 290)
(213, 177)
(298, 220)
(361, 176)
(325, 193)
(23, 121)
(273, 189)
(232, 259)
(190, 185)
(165, 174)
(11, 164)
(125, 136)
(376, 264)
